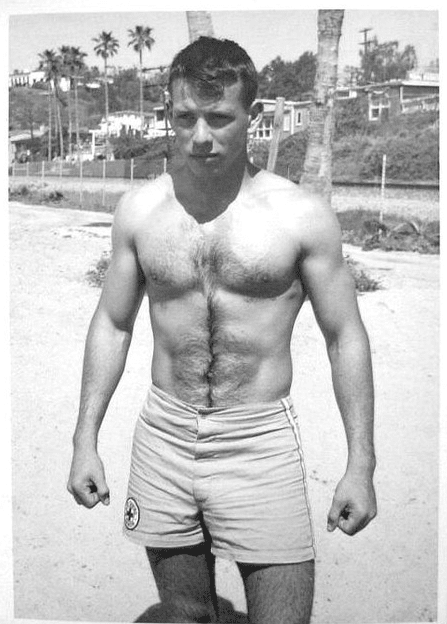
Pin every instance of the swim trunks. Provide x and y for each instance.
(238, 470)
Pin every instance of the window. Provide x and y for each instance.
(298, 118)
(379, 104)
(264, 130)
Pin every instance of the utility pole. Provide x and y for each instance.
(365, 43)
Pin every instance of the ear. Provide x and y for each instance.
(256, 112)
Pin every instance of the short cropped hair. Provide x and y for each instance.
(210, 65)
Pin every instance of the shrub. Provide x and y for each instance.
(363, 228)
(96, 275)
(350, 117)
(363, 281)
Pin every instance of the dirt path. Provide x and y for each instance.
(73, 564)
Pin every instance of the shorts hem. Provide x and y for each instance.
(152, 542)
(264, 559)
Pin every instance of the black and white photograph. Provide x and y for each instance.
(223, 284)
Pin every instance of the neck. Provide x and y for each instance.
(205, 198)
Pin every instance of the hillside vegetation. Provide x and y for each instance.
(410, 142)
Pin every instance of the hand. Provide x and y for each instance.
(354, 504)
(87, 481)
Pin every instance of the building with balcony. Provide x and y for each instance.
(295, 119)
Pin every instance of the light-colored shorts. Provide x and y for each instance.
(238, 470)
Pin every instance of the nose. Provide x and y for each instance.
(202, 138)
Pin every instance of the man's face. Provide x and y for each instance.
(211, 131)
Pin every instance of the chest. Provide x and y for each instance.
(248, 253)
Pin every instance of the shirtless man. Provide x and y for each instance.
(226, 254)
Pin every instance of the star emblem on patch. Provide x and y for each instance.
(131, 514)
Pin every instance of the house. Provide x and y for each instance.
(296, 118)
(396, 97)
(129, 123)
(19, 143)
(26, 78)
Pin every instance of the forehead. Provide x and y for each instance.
(185, 95)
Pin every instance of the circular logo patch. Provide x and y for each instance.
(131, 514)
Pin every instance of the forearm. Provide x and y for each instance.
(104, 360)
(352, 379)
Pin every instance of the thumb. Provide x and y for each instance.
(102, 490)
(334, 516)
(104, 494)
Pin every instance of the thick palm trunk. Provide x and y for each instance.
(317, 176)
(199, 23)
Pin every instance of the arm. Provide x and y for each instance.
(106, 349)
(330, 287)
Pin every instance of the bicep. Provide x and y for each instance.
(124, 284)
(328, 281)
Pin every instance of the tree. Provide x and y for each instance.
(141, 38)
(51, 64)
(26, 109)
(72, 66)
(199, 24)
(106, 45)
(383, 61)
(289, 79)
(317, 175)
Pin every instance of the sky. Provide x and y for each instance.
(264, 33)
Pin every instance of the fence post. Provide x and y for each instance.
(278, 121)
(382, 189)
(43, 177)
(104, 182)
(27, 170)
(165, 164)
(131, 172)
(60, 168)
(80, 182)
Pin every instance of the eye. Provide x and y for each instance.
(185, 120)
(219, 120)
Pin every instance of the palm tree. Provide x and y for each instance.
(199, 23)
(72, 65)
(50, 62)
(65, 53)
(78, 65)
(140, 38)
(317, 164)
(106, 45)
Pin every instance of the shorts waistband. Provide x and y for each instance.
(242, 410)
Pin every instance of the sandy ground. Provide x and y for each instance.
(74, 564)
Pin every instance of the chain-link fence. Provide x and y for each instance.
(93, 184)
(131, 169)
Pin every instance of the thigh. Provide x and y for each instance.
(186, 583)
(279, 594)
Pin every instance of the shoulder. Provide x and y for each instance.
(309, 219)
(288, 199)
(281, 193)
(136, 206)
